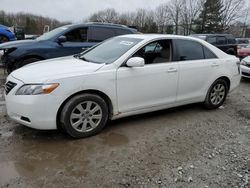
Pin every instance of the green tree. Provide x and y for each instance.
(210, 18)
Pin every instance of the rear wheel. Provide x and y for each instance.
(3, 39)
(217, 94)
(84, 115)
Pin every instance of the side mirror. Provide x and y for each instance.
(135, 62)
(61, 39)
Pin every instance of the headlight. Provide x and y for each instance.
(36, 89)
(243, 62)
(1, 53)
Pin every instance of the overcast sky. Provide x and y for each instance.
(74, 10)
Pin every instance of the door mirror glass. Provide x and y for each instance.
(135, 62)
(61, 39)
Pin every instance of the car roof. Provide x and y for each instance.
(97, 24)
(214, 34)
(158, 36)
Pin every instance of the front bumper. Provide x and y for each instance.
(245, 70)
(35, 111)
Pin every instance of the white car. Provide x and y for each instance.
(245, 67)
(123, 76)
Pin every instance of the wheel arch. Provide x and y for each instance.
(88, 91)
(33, 56)
(227, 81)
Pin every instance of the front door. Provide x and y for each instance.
(153, 85)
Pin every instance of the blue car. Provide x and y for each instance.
(63, 41)
(6, 35)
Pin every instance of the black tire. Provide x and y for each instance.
(209, 104)
(3, 39)
(16, 65)
(72, 104)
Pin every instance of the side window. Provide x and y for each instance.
(77, 35)
(156, 52)
(189, 50)
(208, 54)
(122, 32)
(211, 40)
(99, 34)
(231, 41)
(221, 40)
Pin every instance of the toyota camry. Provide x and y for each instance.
(123, 76)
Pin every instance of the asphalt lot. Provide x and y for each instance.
(181, 147)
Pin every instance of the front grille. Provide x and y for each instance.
(9, 86)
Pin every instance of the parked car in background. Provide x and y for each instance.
(6, 34)
(245, 67)
(123, 76)
(225, 42)
(18, 31)
(62, 41)
(31, 37)
(244, 51)
(242, 42)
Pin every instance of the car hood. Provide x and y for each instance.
(16, 44)
(54, 69)
(247, 59)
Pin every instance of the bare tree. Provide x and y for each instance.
(231, 12)
(174, 8)
(162, 18)
(189, 13)
(107, 15)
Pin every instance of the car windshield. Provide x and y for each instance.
(52, 34)
(110, 50)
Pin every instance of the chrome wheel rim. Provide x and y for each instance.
(86, 116)
(217, 94)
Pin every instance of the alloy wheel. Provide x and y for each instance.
(218, 94)
(86, 116)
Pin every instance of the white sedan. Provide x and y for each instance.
(245, 67)
(123, 76)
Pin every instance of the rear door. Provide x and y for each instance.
(197, 65)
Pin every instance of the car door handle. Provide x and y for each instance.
(171, 70)
(215, 65)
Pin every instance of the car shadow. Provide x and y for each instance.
(123, 123)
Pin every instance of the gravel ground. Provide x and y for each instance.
(181, 147)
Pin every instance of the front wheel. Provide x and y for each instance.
(84, 115)
(217, 94)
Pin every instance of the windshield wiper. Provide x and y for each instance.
(83, 58)
(78, 56)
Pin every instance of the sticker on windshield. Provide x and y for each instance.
(127, 43)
